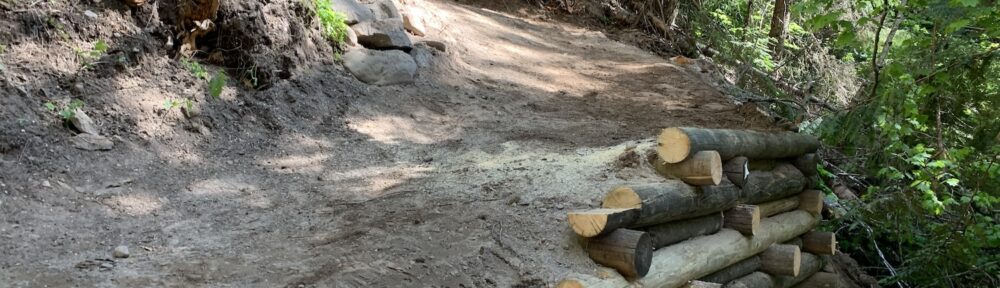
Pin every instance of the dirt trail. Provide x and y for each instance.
(460, 180)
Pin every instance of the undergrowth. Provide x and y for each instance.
(333, 23)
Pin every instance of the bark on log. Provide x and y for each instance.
(590, 223)
(822, 243)
(781, 259)
(779, 183)
(672, 200)
(822, 280)
(807, 164)
(676, 144)
(778, 206)
(675, 265)
(752, 280)
(665, 234)
(737, 170)
(734, 271)
(702, 168)
(810, 265)
(811, 201)
(702, 284)
(743, 218)
(627, 251)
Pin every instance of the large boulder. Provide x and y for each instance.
(383, 34)
(381, 67)
(355, 12)
(384, 9)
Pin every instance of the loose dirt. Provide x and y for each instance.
(314, 179)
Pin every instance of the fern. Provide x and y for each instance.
(333, 23)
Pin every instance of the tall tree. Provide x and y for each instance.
(779, 25)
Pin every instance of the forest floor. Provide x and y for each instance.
(462, 179)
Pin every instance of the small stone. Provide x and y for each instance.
(46, 184)
(120, 252)
(91, 142)
(355, 11)
(90, 14)
(440, 46)
(83, 123)
(383, 34)
(352, 38)
(414, 23)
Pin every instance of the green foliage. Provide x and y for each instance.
(216, 84)
(334, 24)
(170, 104)
(89, 56)
(195, 68)
(66, 112)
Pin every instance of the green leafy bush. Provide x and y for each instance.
(67, 112)
(333, 23)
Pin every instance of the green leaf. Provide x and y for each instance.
(959, 24)
(50, 106)
(965, 3)
(100, 47)
(952, 182)
(216, 84)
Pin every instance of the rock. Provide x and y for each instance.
(120, 252)
(91, 142)
(354, 11)
(384, 9)
(436, 45)
(83, 123)
(352, 38)
(381, 67)
(414, 23)
(46, 184)
(382, 34)
(422, 55)
(89, 13)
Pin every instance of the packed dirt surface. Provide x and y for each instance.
(462, 179)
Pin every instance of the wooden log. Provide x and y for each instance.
(822, 243)
(807, 163)
(779, 183)
(811, 201)
(702, 168)
(627, 251)
(702, 284)
(822, 280)
(672, 200)
(675, 265)
(810, 265)
(743, 218)
(668, 233)
(779, 206)
(781, 259)
(753, 280)
(844, 193)
(676, 144)
(737, 170)
(590, 223)
(734, 271)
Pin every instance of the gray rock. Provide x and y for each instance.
(384, 9)
(422, 55)
(380, 67)
(440, 46)
(355, 12)
(414, 23)
(352, 38)
(383, 34)
(120, 252)
(83, 123)
(91, 142)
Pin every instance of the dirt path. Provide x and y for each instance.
(460, 180)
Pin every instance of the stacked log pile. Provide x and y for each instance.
(736, 211)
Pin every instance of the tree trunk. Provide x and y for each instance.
(752, 280)
(822, 280)
(810, 265)
(743, 218)
(703, 168)
(675, 265)
(590, 223)
(807, 162)
(627, 251)
(822, 243)
(672, 200)
(737, 170)
(779, 25)
(783, 181)
(663, 235)
(734, 271)
(676, 144)
(778, 206)
(702, 284)
(781, 259)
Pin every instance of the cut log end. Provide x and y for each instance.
(824, 243)
(674, 145)
(702, 168)
(630, 252)
(781, 259)
(811, 201)
(595, 222)
(622, 197)
(737, 170)
(743, 218)
(570, 283)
